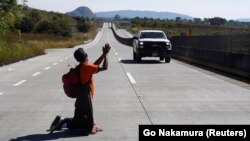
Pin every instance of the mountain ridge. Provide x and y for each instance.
(141, 14)
(84, 11)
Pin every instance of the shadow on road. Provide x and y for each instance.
(142, 62)
(53, 136)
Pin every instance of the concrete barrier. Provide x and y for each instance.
(226, 43)
(227, 53)
(234, 63)
(125, 41)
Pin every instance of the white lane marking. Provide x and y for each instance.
(20, 82)
(1, 93)
(119, 59)
(35, 74)
(61, 60)
(131, 79)
(116, 53)
(46, 68)
(11, 69)
(66, 58)
(55, 64)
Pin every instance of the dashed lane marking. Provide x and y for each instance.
(19, 83)
(61, 60)
(1, 93)
(11, 69)
(131, 79)
(55, 64)
(119, 59)
(46, 68)
(35, 74)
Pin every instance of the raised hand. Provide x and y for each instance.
(106, 48)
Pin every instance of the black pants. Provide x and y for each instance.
(83, 116)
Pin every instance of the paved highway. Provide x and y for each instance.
(128, 94)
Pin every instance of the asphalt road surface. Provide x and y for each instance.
(128, 94)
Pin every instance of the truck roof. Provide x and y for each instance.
(151, 31)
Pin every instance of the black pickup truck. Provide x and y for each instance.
(151, 43)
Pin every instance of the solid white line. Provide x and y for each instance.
(46, 68)
(55, 64)
(19, 83)
(131, 79)
(37, 73)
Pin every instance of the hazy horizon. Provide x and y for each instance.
(229, 9)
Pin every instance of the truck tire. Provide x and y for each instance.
(137, 57)
(134, 56)
(167, 59)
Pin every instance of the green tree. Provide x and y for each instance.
(178, 19)
(117, 17)
(3, 24)
(35, 15)
(217, 21)
(83, 26)
(10, 15)
(27, 24)
(197, 20)
(55, 26)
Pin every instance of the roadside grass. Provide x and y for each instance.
(14, 47)
(182, 29)
(52, 41)
(15, 51)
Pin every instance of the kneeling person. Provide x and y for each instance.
(83, 115)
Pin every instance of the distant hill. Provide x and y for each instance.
(82, 11)
(142, 14)
(244, 19)
(86, 12)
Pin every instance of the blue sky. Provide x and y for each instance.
(229, 9)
